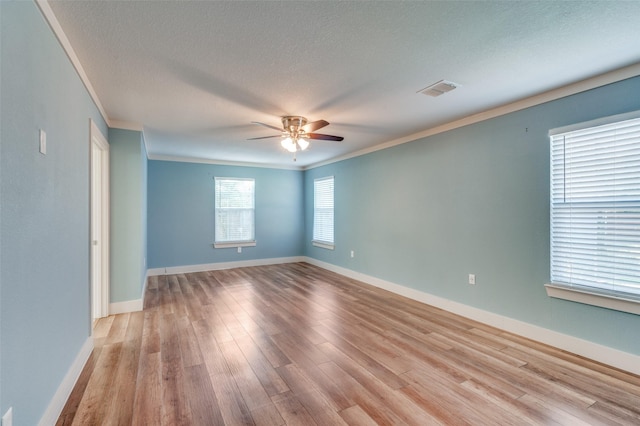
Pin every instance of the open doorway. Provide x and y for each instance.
(99, 224)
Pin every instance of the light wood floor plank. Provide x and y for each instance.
(147, 407)
(121, 407)
(98, 393)
(294, 344)
(189, 347)
(202, 398)
(251, 389)
(264, 371)
(175, 405)
(356, 416)
(267, 415)
(71, 407)
(292, 411)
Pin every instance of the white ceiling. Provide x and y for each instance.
(195, 74)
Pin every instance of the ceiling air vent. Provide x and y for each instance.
(437, 89)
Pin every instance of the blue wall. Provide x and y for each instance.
(128, 191)
(181, 212)
(472, 200)
(44, 203)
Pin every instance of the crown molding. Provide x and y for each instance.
(551, 95)
(126, 125)
(221, 162)
(55, 26)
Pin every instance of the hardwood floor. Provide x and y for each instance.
(297, 345)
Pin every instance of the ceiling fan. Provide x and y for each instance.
(295, 132)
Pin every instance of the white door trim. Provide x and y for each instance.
(100, 287)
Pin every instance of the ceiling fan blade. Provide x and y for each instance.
(315, 125)
(320, 136)
(268, 125)
(265, 137)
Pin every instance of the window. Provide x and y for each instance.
(234, 213)
(323, 212)
(595, 208)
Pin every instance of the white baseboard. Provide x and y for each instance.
(223, 265)
(610, 356)
(51, 414)
(154, 272)
(130, 305)
(144, 288)
(125, 307)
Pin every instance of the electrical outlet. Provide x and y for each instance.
(353, 254)
(239, 249)
(472, 279)
(7, 419)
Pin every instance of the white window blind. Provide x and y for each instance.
(323, 210)
(235, 210)
(595, 207)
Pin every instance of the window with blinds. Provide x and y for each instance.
(595, 207)
(234, 211)
(323, 212)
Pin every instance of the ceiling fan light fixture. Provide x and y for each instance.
(303, 144)
(289, 145)
(296, 133)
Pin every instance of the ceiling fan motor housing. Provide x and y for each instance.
(293, 124)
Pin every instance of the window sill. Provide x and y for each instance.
(235, 244)
(602, 298)
(320, 244)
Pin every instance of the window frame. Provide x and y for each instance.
(326, 244)
(592, 295)
(251, 242)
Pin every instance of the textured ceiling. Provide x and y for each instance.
(195, 74)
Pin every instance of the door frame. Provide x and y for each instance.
(99, 186)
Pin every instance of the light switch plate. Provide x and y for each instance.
(43, 142)
(7, 419)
